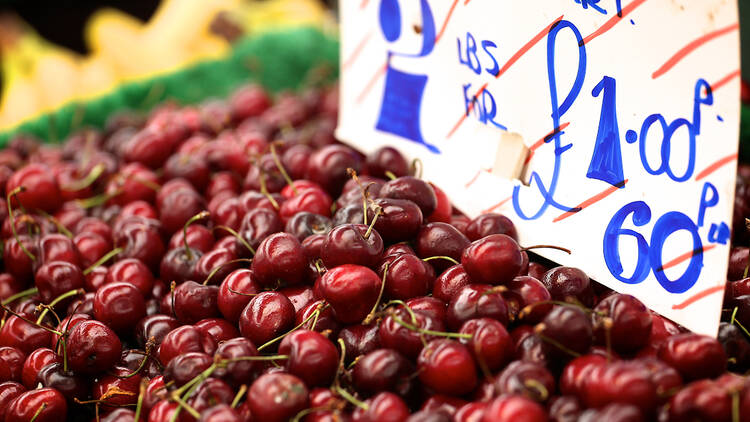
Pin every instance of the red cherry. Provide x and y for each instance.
(58, 277)
(9, 390)
(156, 327)
(182, 340)
(328, 167)
(408, 277)
(527, 294)
(441, 239)
(695, 356)
(569, 284)
(490, 342)
(494, 259)
(40, 190)
(387, 159)
(92, 347)
(351, 290)
(277, 397)
(34, 363)
(186, 366)
(23, 335)
(241, 371)
(68, 383)
(444, 209)
(450, 282)
(383, 407)
(400, 220)
(266, 316)
(131, 271)
(513, 408)
(383, 370)
(447, 367)
(476, 301)
(280, 257)
(629, 323)
(413, 189)
(486, 224)
(119, 305)
(11, 363)
(27, 405)
(312, 357)
(352, 244)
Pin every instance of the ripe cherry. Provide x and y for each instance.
(68, 383)
(351, 290)
(194, 302)
(37, 360)
(387, 159)
(312, 357)
(119, 305)
(39, 188)
(266, 316)
(566, 331)
(695, 356)
(494, 259)
(450, 282)
(509, 408)
(569, 284)
(328, 167)
(240, 371)
(412, 189)
(627, 320)
(277, 397)
(41, 405)
(359, 340)
(185, 339)
(280, 257)
(526, 297)
(383, 407)
(186, 366)
(400, 220)
(258, 224)
(476, 301)
(355, 244)
(486, 224)
(383, 370)
(441, 239)
(11, 363)
(235, 293)
(408, 277)
(9, 390)
(447, 367)
(23, 335)
(490, 342)
(529, 379)
(92, 347)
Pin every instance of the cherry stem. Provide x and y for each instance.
(231, 290)
(559, 248)
(109, 255)
(62, 229)
(734, 314)
(417, 163)
(23, 318)
(237, 236)
(281, 168)
(350, 398)
(447, 258)
(97, 200)
(607, 322)
(38, 412)
(222, 265)
(390, 175)
(22, 294)
(147, 183)
(528, 308)
(57, 300)
(353, 174)
(147, 355)
(539, 387)
(201, 215)
(172, 286)
(48, 308)
(87, 180)
(368, 319)
(11, 194)
(64, 344)
(378, 211)
(742, 328)
(197, 380)
(300, 325)
(405, 306)
(735, 406)
(537, 331)
(139, 405)
(429, 332)
(264, 189)
(183, 404)
(238, 396)
(341, 366)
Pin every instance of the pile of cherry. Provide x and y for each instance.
(232, 262)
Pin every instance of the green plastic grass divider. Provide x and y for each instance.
(284, 60)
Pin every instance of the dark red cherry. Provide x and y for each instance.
(249, 101)
(92, 347)
(736, 346)
(131, 271)
(9, 286)
(383, 370)
(34, 363)
(566, 330)
(305, 224)
(441, 239)
(569, 284)
(155, 328)
(140, 239)
(349, 214)
(328, 167)
(486, 224)
(16, 261)
(119, 305)
(258, 224)
(316, 316)
(11, 363)
(312, 357)
(314, 201)
(235, 293)
(508, 408)
(408, 277)
(178, 264)
(447, 367)
(64, 328)
(240, 371)
(413, 189)
(398, 331)
(695, 356)
(221, 413)
(41, 405)
(427, 305)
(449, 282)
(280, 257)
(494, 259)
(277, 397)
(352, 244)
(529, 295)
(185, 339)
(400, 219)
(68, 383)
(627, 320)
(58, 277)
(622, 382)
(198, 238)
(134, 182)
(529, 379)
(490, 342)
(359, 340)
(186, 366)
(91, 248)
(351, 290)
(57, 247)
(213, 266)
(266, 316)
(191, 167)
(194, 302)
(23, 335)
(9, 390)
(383, 407)
(40, 190)
(476, 301)
(387, 159)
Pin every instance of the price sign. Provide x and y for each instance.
(608, 127)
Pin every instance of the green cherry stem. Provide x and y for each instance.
(20, 295)
(109, 255)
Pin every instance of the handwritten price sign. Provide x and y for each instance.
(618, 118)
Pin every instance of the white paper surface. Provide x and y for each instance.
(406, 70)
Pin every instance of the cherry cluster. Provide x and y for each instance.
(232, 262)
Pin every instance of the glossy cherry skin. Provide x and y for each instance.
(312, 357)
(490, 343)
(695, 356)
(37, 360)
(163, 411)
(154, 327)
(258, 224)
(92, 347)
(512, 408)
(408, 277)
(412, 189)
(235, 293)
(440, 239)
(447, 367)
(486, 224)
(22, 335)
(395, 334)
(351, 244)
(185, 339)
(569, 284)
(9, 286)
(280, 257)
(427, 305)
(529, 379)
(217, 328)
(529, 295)
(68, 383)
(58, 277)
(178, 264)
(566, 326)
(140, 239)
(266, 316)
(119, 305)
(621, 381)
(9, 390)
(314, 201)
(186, 366)
(277, 397)
(383, 370)
(630, 323)
(449, 282)
(17, 263)
(241, 371)
(359, 340)
(494, 259)
(214, 265)
(194, 302)
(11, 363)
(40, 188)
(351, 290)
(220, 413)
(198, 238)
(27, 404)
(476, 301)
(387, 159)
(400, 220)
(383, 407)
(131, 271)
(57, 247)
(328, 167)
(736, 346)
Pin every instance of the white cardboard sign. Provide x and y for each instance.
(629, 111)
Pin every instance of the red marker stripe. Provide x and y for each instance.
(363, 4)
(498, 205)
(371, 83)
(725, 80)
(614, 20)
(536, 145)
(698, 296)
(476, 176)
(684, 257)
(513, 59)
(692, 46)
(357, 50)
(591, 201)
(715, 166)
(445, 22)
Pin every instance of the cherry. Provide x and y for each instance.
(220, 413)
(447, 367)
(66, 382)
(23, 335)
(529, 379)
(566, 331)
(490, 342)
(186, 366)
(486, 224)
(154, 327)
(509, 408)
(178, 264)
(564, 409)
(470, 412)
(91, 248)
(441, 239)
(249, 101)
(267, 315)
(736, 347)
(131, 271)
(430, 306)
(312, 357)
(56, 278)
(626, 382)
(119, 305)
(241, 371)
(96, 226)
(164, 411)
(34, 363)
(444, 210)
(413, 189)
(355, 244)
(41, 405)
(199, 238)
(182, 340)
(739, 258)
(383, 370)
(17, 262)
(277, 397)
(612, 412)
(194, 302)
(258, 224)
(39, 189)
(133, 182)
(476, 301)
(305, 224)
(9, 286)
(400, 220)
(359, 340)
(317, 316)
(314, 201)
(140, 239)
(449, 282)
(399, 330)
(695, 356)
(387, 159)
(494, 259)
(141, 208)
(11, 363)
(92, 347)
(9, 390)
(215, 265)
(408, 277)
(57, 247)
(623, 321)
(235, 293)
(526, 297)
(569, 284)
(176, 209)
(351, 290)
(328, 167)
(536, 270)
(119, 415)
(280, 257)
